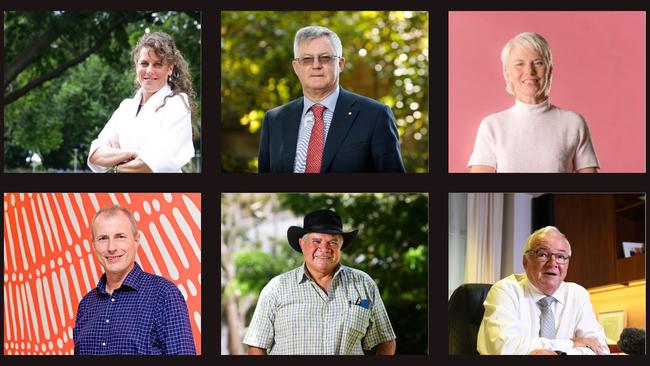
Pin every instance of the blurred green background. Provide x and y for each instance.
(391, 247)
(387, 59)
(65, 73)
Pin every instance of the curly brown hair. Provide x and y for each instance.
(180, 80)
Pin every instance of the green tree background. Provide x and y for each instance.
(387, 59)
(66, 72)
(391, 247)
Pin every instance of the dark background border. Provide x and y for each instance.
(211, 182)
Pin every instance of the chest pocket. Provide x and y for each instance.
(354, 329)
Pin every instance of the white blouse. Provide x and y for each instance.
(163, 138)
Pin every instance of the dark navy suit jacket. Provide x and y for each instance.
(362, 137)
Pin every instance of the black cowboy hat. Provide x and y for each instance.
(321, 221)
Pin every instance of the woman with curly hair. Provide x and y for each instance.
(151, 132)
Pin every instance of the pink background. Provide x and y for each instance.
(598, 71)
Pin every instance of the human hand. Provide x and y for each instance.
(542, 352)
(589, 342)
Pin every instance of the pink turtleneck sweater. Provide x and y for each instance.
(534, 138)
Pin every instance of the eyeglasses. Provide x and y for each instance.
(309, 60)
(541, 255)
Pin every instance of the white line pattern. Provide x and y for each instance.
(44, 278)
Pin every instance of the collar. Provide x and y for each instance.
(329, 102)
(538, 295)
(157, 97)
(132, 281)
(532, 108)
(303, 276)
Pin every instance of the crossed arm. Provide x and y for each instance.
(125, 161)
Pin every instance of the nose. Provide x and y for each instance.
(111, 246)
(317, 64)
(552, 260)
(531, 69)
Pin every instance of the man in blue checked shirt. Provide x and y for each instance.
(130, 311)
(321, 307)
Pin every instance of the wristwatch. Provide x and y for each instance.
(560, 353)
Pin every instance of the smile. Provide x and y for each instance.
(113, 258)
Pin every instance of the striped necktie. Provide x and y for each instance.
(546, 319)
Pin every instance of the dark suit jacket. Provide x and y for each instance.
(362, 137)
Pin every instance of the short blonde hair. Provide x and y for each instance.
(534, 41)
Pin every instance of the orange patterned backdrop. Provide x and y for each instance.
(49, 263)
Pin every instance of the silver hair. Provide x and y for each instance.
(110, 211)
(539, 234)
(313, 32)
(534, 41)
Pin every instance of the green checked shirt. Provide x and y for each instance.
(296, 317)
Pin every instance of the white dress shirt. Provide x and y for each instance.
(511, 322)
(162, 137)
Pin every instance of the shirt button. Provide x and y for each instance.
(103, 343)
(107, 321)
(112, 300)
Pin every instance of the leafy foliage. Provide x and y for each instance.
(386, 59)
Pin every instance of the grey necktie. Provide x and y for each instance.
(546, 319)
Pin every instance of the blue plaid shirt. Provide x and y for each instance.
(146, 315)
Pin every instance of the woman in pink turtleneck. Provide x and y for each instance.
(533, 136)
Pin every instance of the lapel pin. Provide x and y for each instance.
(349, 113)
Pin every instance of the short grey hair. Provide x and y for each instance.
(111, 211)
(314, 32)
(539, 234)
(534, 41)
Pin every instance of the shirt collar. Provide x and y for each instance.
(157, 97)
(538, 295)
(133, 280)
(532, 108)
(329, 102)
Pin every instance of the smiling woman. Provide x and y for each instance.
(534, 135)
(151, 132)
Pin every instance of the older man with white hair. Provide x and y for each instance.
(537, 312)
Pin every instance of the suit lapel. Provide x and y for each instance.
(344, 115)
(291, 122)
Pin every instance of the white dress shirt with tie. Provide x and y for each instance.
(511, 323)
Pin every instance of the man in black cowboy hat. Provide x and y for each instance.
(321, 307)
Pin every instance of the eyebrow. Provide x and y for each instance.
(521, 59)
(548, 249)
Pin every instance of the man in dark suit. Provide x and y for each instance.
(329, 129)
